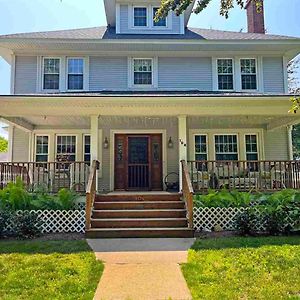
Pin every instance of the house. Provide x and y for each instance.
(139, 96)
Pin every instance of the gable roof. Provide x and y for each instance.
(109, 33)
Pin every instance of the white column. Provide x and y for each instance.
(95, 140)
(10, 142)
(182, 136)
(290, 142)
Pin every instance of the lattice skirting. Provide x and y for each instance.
(209, 217)
(61, 221)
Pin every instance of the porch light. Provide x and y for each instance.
(170, 143)
(105, 143)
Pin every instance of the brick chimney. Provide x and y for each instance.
(255, 16)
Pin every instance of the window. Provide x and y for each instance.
(225, 74)
(200, 147)
(140, 16)
(51, 74)
(87, 148)
(75, 73)
(161, 22)
(142, 69)
(248, 73)
(66, 148)
(42, 147)
(226, 147)
(251, 151)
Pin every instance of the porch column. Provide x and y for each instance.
(95, 141)
(290, 142)
(182, 136)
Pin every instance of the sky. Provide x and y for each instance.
(42, 15)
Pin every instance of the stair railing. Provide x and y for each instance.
(187, 192)
(91, 193)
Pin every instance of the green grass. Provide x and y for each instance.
(244, 268)
(48, 270)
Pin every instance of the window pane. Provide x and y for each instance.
(249, 82)
(51, 65)
(75, 66)
(87, 148)
(142, 69)
(51, 82)
(41, 149)
(66, 149)
(140, 16)
(75, 82)
(248, 66)
(160, 22)
(226, 147)
(142, 78)
(225, 82)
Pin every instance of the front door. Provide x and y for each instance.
(138, 162)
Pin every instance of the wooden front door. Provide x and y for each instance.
(138, 162)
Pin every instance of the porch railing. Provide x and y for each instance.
(264, 175)
(187, 192)
(51, 176)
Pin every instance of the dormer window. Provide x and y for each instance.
(161, 22)
(140, 16)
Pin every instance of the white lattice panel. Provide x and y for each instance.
(61, 221)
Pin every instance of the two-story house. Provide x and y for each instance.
(139, 96)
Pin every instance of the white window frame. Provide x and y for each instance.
(59, 74)
(194, 144)
(35, 147)
(147, 16)
(66, 134)
(131, 73)
(233, 73)
(83, 73)
(256, 74)
(152, 19)
(237, 143)
(83, 145)
(257, 142)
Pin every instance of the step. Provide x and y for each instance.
(138, 213)
(138, 197)
(139, 223)
(139, 205)
(140, 233)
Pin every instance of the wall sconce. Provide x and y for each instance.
(105, 143)
(170, 143)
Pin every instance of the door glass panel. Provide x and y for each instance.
(120, 151)
(155, 152)
(138, 150)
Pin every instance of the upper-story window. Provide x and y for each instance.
(225, 74)
(51, 70)
(140, 16)
(75, 73)
(142, 71)
(161, 22)
(248, 74)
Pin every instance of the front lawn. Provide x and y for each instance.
(244, 268)
(48, 270)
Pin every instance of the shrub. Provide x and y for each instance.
(246, 221)
(4, 221)
(26, 225)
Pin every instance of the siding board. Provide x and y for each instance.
(273, 75)
(20, 146)
(276, 144)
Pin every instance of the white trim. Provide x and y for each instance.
(290, 142)
(112, 134)
(285, 74)
(118, 18)
(13, 74)
(39, 80)
(182, 26)
(11, 130)
(260, 74)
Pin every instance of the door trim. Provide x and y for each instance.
(113, 132)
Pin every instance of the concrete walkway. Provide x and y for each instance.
(142, 269)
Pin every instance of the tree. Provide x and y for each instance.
(179, 6)
(3, 144)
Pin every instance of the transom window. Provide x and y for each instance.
(226, 147)
(51, 73)
(140, 16)
(87, 148)
(142, 69)
(75, 73)
(225, 74)
(162, 22)
(66, 148)
(42, 148)
(248, 74)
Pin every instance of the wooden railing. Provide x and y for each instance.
(187, 192)
(91, 194)
(244, 175)
(50, 176)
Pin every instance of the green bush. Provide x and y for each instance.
(4, 221)
(246, 221)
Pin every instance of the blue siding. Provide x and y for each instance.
(185, 73)
(110, 73)
(273, 75)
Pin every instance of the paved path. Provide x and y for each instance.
(142, 269)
